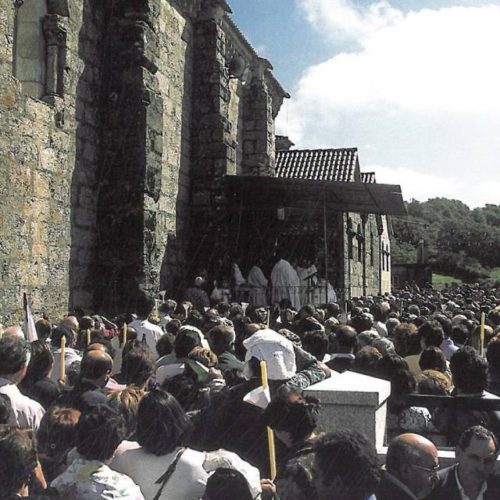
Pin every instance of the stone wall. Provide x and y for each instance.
(114, 150)
(38, 150)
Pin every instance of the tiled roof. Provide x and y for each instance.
(319, 164)
(368, 177)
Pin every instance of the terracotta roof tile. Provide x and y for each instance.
(339, 165)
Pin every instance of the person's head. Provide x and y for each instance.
(70, 322)
(379, 312)
(131, 334)
(316, 343)
(413, 460)
(41, 362)
(5, 409)
(162, 424)
(460, 334)
(57, 432)
(431, 334)
(14, 358)
(221, 339)
(366, 360)
(186, 340)
(18, 458)
(58, 333)
(138, 365)
(476, 454)
(165, 344)
(391, 324)
(292, 417)
(204, 356)
(406, 341)
(362, 322)
(445, 323)
(345, 466)
(144, 305)
(96, 367)
(195, 318)
(14, 331)
(434, 382)
(126, 402)
(43, 329)
(346, 339)
(493, 354)
(99, 432)
(432, 358)
(469, 371)
(227, 484)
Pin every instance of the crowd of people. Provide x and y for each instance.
(161, 403)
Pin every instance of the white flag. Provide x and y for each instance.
(29, 322)
(258, 397)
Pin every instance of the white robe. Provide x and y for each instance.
(286, 283)
(258, 286)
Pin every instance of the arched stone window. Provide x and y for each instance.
(40, 46)
(29, 47)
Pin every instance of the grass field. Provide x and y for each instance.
(439, 280)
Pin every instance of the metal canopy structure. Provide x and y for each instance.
(269, 193)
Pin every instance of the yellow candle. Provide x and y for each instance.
(481, 334)
(62, 371)
(88, 337)
(125, 328)
(270, 433)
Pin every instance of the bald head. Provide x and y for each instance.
(14, 331)
(71, 323)
(413, 459)
(96, 366)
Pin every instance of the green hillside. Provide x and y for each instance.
(462, 243)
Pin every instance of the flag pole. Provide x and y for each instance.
(270, 434)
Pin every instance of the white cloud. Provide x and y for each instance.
(419, 90)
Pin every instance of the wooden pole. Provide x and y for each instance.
(270, 434)
(325, 248)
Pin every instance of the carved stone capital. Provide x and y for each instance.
(55, 29)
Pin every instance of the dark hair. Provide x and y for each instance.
(361, 322)
(195, 318)
(493, 353)
(99, 432)
(185, 342)
(56, 434)
(316, 343)
(350, 455)
(478, 432)
(162, 424)
(221, 338)
(345, 337)
(379, 312)
(366, 360)
(5, 409)
(173, 326)
(432, 358)
(299, 418)
(445, 324)
(431, 332)
(40, 364)
(18, 459)
(460, 334)
(43, 329)
(144, 305)
(58, 332)
(469, 371)
(131, 334)
(165, 344)
(13, 354)
(93, 367)
(137, 365)
(227, 484)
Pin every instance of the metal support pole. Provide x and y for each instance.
(326, 249)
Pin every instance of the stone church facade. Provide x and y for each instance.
(119, 119)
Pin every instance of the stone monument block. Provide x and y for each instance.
(352, 401)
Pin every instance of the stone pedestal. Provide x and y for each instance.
(351, 401)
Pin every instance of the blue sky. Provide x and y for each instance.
(413, 84)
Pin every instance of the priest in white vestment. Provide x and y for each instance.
(258, 286)
(286, 283)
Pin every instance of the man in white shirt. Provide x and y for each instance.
(14, 358)
(146, 331)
